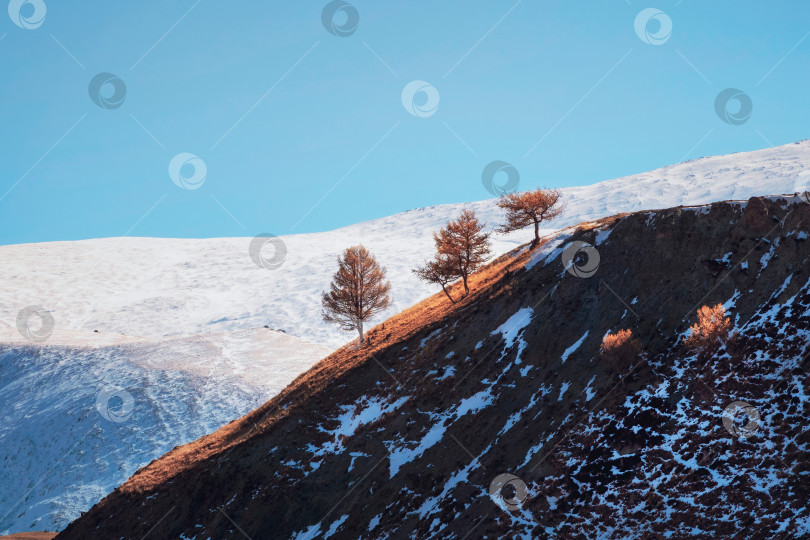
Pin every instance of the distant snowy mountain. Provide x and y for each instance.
(153, 287)
(180, 327)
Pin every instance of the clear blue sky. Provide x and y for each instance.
(302, 130)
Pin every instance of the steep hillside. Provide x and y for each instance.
(152, 287)
(409, 438)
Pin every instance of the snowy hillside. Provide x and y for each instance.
(162, 287)
(180, 327)
(76, 422)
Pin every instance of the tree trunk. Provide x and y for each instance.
(447, 293)
(360, 331)
(536, 234)
(466, 288)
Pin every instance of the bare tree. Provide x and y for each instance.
(358, 290)
(463, 244)
(530, 207)
(440, 271)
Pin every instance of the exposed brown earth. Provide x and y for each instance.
(403, 438)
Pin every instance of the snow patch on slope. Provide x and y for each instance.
(573, 347)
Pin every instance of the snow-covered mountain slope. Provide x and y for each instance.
(76, 422)
(162, 287)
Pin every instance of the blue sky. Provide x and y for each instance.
(301, 130)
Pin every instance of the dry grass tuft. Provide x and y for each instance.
(619, 350)
(711, 330)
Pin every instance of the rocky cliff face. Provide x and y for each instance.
(497, 418)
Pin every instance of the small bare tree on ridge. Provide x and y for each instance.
(530, 208)
(463, 245)
(359, 290)
(440, 271)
